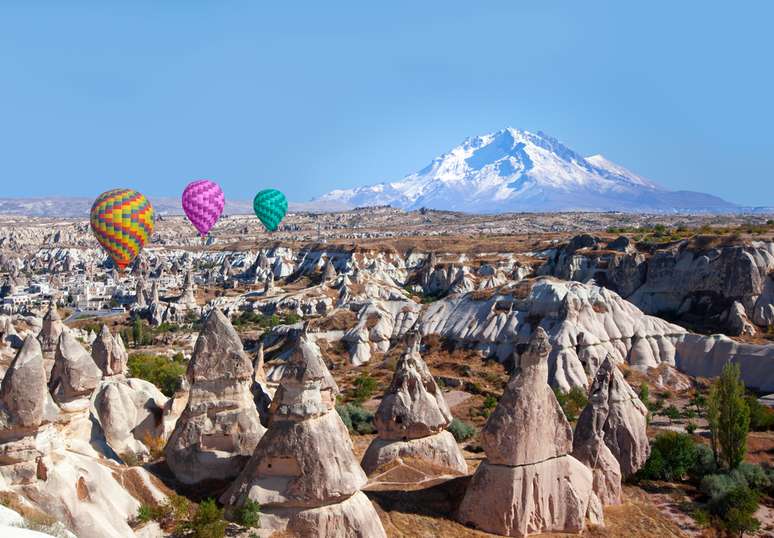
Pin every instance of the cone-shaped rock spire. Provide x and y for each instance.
(220, 426)
(303, 472)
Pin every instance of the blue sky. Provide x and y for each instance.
(321, 95)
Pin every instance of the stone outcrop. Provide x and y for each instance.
(529, 482)
(24, 394)
(585, 324)
(220, 426)
(617, 414)
(411, 422)
(680, 279)
(303, 472)
(109, 353)
(74, 375)
(129, 412)
(139, 294)
(589, 439)
(188, 297)
(51, 329)
(26, 411)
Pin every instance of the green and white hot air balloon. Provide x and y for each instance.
(270, 205)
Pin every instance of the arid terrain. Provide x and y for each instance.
(384, 373)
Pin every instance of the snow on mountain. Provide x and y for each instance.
(514, 170)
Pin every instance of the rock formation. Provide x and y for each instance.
(26, 411)
(303, 472)
(678, 279)
(329, 271)
(188, 298)
(139, 294)
(52, 328)
(129, 412)
(411, 421)
(154, 298)
(529, 482)
(617, 415)
(74, 375)
(220, 426)
(589, 440)
(109, 353)
(24, 393)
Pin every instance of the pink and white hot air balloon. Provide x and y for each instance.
(203, 203)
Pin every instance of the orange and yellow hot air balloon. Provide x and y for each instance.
(122, 220)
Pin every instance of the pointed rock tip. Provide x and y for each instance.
(30, 347)
(52, 313)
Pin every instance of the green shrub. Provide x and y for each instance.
(207, 521)
(672, 456)
(753, 475)
(462, 431)
(734, 511)
(357, 419)
(690, 428)
(761, 417)
(672, 413)
(145, 513)
(166, 374)
(249, 515)
(572, 402)
(364, 387)
(490, 402)
(716, 486)
(704, 463)
(644, 393)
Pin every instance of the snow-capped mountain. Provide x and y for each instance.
(514, 170)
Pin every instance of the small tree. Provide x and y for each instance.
(729, 417)
(137, 332)
(644, 393)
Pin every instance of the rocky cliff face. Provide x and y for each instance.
(723, 287)
(585, 324)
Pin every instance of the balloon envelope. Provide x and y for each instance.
(203, 203)
(122, 221)
(270, 206)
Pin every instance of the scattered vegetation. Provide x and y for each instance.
(207, 521)
(170, 515)
(363, 388)
(155, 444)
(165, 373)
(357, 419)
(179, 516)
(252, 318)
(572, 402)
(462, 431)
(730, 488)
(672, 456)
(761, 417)
(249, 515)
(490, 402)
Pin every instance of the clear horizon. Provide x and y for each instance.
(324, 97)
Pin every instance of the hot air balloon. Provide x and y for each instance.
(122, 220)
(203, 203)
(270, 206)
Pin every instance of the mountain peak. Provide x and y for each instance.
(518, 170)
